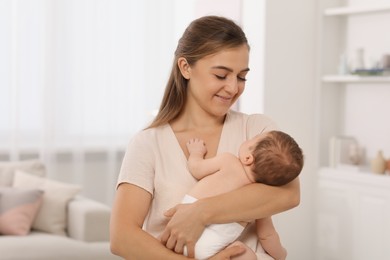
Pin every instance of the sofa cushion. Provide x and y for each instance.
(18, 208)
(52, 216)
(7, 170)
(43, 246)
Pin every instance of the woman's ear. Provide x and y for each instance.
(184, 67)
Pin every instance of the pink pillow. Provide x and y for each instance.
(18, 208)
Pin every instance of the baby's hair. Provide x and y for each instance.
(278, 159)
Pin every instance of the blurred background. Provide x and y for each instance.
(79, 77)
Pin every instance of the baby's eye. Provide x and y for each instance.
(220, 77)
(241, 79)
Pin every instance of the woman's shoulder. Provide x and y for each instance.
(147, 136)
(143, 134)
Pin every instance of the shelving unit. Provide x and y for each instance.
(343, 28)
(353, 214)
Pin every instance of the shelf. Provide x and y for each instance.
(351, 10)
(357, 177)
(355, 79)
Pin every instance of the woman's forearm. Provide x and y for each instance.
(250, 202)
(127, 237)
(140, 245)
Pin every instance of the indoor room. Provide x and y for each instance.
(80, 79)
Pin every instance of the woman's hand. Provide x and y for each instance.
(184, 228)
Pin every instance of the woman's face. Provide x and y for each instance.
(216, 81)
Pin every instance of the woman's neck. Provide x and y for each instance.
(198, 121)
(198, 125)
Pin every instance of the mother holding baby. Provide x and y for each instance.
(208, 75)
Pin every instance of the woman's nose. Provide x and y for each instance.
(232, 86)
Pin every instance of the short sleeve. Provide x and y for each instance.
(259, 123)
(138, 162)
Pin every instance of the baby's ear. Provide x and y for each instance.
(248, 160)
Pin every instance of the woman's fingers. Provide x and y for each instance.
(166, 236)
(190, 249)
(171, 242)
(179, 247)
(177, 244)
(183, 229)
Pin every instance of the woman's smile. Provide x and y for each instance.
(223, 98)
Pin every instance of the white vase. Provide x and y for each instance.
(378, 164)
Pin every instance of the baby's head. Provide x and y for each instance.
(277, 159)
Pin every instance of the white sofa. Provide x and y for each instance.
(87, 229)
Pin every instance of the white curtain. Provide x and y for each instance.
(77, 79)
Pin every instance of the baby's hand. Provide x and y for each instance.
(196, 145)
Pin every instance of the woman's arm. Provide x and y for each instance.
(128, 240)
(253, 201)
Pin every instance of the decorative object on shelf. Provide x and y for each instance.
(354, 153)
(343, 65)
(388, 166)
(385, 64)
(369, 72)
(357, 62)
(378, 164)
(344, 150)
(386, 61)
(359, 67)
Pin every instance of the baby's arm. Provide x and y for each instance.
(248, 254)
(197, 165)
(269, 239)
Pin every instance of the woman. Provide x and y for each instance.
(207, 77)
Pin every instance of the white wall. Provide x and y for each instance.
(288, 99)
(253, 23)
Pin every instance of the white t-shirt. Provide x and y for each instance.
(155, 162)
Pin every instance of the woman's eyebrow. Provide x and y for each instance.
(228, 69)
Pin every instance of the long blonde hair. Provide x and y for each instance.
(204, 36)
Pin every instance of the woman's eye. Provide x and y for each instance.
(220, 77)
(224, 77)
